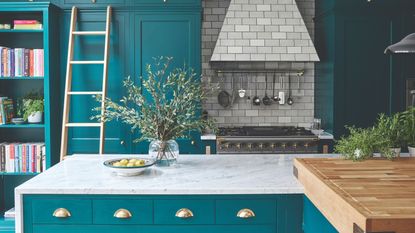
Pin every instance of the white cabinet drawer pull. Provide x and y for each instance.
(61, 213)
(122, 213)
(245, 213)
(184, 213)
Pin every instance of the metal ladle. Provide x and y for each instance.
(290, 100)
(256, 100)
(274, 97)
(266, 100)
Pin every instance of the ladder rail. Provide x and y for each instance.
(104, 80)
(68, 86)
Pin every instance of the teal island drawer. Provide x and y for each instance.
(123, 211)
(155, 229)
(246, 211)
(62, 211)
(184, 212)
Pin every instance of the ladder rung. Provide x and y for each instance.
(86, 62)
(85, 93)
(89, 33)
(83, 124)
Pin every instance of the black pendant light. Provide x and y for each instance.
(406, 45)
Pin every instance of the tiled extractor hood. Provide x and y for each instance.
(264, 30)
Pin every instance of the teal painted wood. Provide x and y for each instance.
(265, 211)
(314, 221)
(89, 78)
(127, 4)
(352, 87)
(154, 229)
(165, 211)
(47, 132)
(80, 209)
(173, 34)
(141, 211)
(204, 207)
(208, 143)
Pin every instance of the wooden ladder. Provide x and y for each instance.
(68, 84)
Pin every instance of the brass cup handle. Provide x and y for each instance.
(122, 214)
(245, 213)
(184, 213)
(61, 213)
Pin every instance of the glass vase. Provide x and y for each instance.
(165, 153)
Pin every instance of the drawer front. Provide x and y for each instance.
(227, 210)
(123, 212)
(154, 229)
(80, 211)
(165, 211)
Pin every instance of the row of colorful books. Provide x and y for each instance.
(6, 110)
(26, 24)
(22, 157)
(21, 62)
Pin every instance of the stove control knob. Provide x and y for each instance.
(306, 145)
(226, 145)
(249, 145)
(294, 145)
(238, 145)
(274, 145)
(261, 145)
(283, 145)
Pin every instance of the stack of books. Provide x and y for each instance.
(26, 24)
(22, 157)
(6, 110)
(21, 62)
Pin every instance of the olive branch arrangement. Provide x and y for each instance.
(165, 107)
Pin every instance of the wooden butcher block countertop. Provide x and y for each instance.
(371, 196)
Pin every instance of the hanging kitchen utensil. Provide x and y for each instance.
(256, 100)
(290, 100)
(274, 97)
(248, 86)
(242, 91)
(281, 94)
(266, 100)
(224, 98)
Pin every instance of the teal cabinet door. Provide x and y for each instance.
(89, 78)
(171, 34)
(314, 220)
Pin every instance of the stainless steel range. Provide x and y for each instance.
(262, 140)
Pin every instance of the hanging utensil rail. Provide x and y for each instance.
(296, 72)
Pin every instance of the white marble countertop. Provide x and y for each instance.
(194, 174)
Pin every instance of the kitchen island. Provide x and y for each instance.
(218, 193)
(373, 196)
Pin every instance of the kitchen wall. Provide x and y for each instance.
(301, 113)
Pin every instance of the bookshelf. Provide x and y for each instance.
(17, 87)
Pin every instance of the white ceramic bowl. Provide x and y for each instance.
(129, 171)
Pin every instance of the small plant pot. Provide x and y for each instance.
(397, 151)
(35, 118)
(411, 151)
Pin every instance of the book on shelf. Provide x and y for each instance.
(11, 213)
(27, 24)
(22, 157)
(21, 62)
(6, 110)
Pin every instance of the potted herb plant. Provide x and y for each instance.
(164, 108)
(409, 129)
(361, 144)
(33, 107)
(391, 131)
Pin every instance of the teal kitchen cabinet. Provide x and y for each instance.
(355, 81)
(157, 213)
(89, 78)
(173, 34)
(314, 220)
